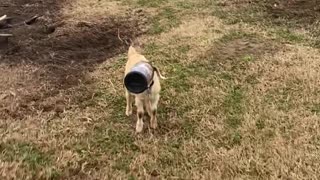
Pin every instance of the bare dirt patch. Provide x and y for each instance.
(57, 58)
(300, 11)
(297, 13)
(235, 50)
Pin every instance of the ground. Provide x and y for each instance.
(241, 100)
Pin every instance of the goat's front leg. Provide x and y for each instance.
(129, 99)
(140, 113)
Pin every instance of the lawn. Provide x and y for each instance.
(242, 98)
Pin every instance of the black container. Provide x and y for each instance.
(139, 78)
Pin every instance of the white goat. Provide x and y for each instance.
(149, 98)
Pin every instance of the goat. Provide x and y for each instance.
(148, 98)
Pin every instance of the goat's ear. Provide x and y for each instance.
(131, 50)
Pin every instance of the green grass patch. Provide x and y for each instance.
(156, 27)
(285, 98)
(235, 34)
(31, 156)
(252, 79)
(315, 108)
(288, 36)
(235, 139)
(180, 79)
(28, 153)
(183, 48)
(170, 157)
(279, 97)
(178, 74)
(122, 163)
(118, 106)
(152, 49)
(185, 5)
(108, 139)
(164, 21)
(260, 123)
(234, 107)
(189, 129)
(247, 58)
(228, 138)
(226, 76)
(153, 3)
(236, 13)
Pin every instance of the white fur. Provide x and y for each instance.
(149, 100)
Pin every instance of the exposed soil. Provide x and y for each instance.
(242, 46)
(294, 12)
(299, 11)
(56, 55)
(233, 55)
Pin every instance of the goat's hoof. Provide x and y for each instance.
(128, 113)
(139, 127)
(154, 125)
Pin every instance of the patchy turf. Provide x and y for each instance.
(241, 101)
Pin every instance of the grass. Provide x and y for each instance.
(234, 34)
(282, 24)
(164, 21)
(288, 36)
(14, 151)
(31, 157)
(316, 109)
(147, 3)
(233, 107)
(241, 102)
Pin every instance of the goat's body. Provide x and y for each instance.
(148, 99)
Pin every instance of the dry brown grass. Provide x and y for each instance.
(92, 11)
(239, 104)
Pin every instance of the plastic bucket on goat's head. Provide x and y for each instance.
(139, 78)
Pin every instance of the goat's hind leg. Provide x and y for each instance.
(153, 111)
(148, 106)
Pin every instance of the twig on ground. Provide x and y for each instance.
(5, 22)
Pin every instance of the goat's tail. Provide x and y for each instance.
(158, 72)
